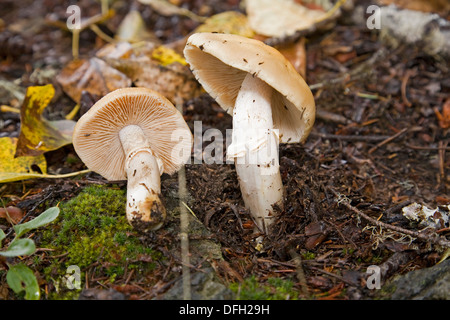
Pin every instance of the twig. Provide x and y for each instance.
(330, 116)
(75, 43)
(336, 228)
(436, 239)
(101, 34)
(408, 74)
(442, 146)
(349, 137)
(55, 176)
(411, 146)
(184, 224)
(300, 273)
(73, 113)
(5, 108)
(391, 265)
(332, 275)
(398, 206)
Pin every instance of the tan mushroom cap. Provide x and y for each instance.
(96, 135)
(220, 63)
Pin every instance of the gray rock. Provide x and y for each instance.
(425, 284)
(203, 252)
(204, 286)
(101, 294)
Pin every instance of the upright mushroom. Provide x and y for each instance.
(269, 101)
(135, 134)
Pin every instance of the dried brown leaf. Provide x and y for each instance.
(439, 6)
(175, 81)
(93, 75)
(295, 53)
(12, 214)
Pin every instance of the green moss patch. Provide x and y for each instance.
(272, 289)
(92, 233)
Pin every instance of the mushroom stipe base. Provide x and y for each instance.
(145, 210)
(155, 209)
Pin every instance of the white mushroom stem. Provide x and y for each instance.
(145, 210)
(255, 150)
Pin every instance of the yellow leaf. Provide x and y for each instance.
(37, 134)
(20, 168)
(166, 56)
(232, 22)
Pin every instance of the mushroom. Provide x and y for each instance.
(270, 103)
(135, 134)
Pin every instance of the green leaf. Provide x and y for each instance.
(21, 278)
(43, 219)
(19, 247)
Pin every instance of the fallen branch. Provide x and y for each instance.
(184, 226)
(349, 137)
(435, 239)
(300, 273)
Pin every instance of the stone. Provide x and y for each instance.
(204, 286)
(425, 284)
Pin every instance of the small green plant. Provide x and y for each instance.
(309, 255)
(20, 277)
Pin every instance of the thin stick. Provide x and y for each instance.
(105, 7)
(5, 108)
(73, 113)
(411, 146)
(442, 146)
(435, 239)
(101, 34)
(300, 273)
(382, 143)
(349, 137)
(408, 74)
(55, 176)
(75, 43)
(184, 224)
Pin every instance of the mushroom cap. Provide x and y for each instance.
(220, 63)
(96, 135)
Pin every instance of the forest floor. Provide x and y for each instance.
(377, 146)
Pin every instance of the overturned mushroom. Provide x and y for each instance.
(269, 101)
(135, 134)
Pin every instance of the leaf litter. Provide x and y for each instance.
(358, 159)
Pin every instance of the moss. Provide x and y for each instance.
(92, 229)
(309, 255)
(272, 289)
